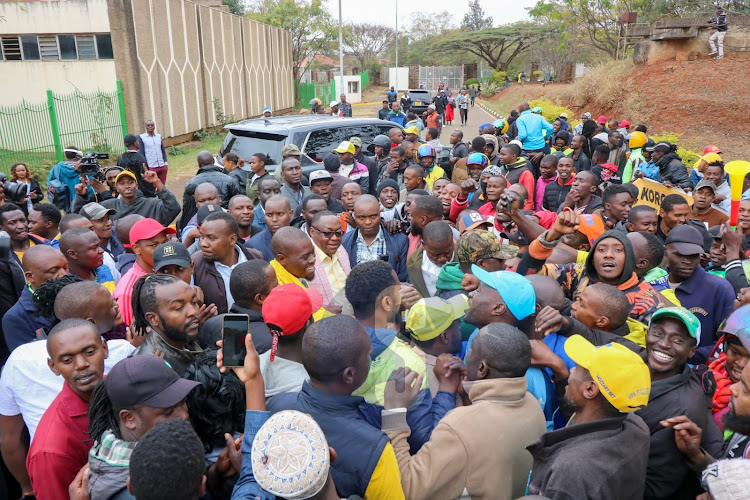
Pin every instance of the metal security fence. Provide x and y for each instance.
(37, 133)
(323, 91)
(430, 77)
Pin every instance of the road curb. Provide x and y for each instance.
(489, 110)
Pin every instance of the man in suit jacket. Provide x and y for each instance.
(423, 266)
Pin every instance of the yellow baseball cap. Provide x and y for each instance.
(430, 317)
(345, 147)
(411, 130)
(622, 376)
(125, 173)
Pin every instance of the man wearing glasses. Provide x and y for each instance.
(331, 259)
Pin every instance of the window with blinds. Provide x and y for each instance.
(86, 47)
(49, 47)
(11, 48)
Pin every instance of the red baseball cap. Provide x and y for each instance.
(625, 123)
(601, 120)
(712, 149)
(147, 228)
(287, 309)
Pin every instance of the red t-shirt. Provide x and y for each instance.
(60, 446)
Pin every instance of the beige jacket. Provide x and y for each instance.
(478, 450)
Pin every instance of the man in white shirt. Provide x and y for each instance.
(425, 263)
(151, 146)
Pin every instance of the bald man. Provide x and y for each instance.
(210, 173)
(293, 190)
(100, 308)
(84, 259)
(370, 240)
(278, 215)
(205, 193)
(21, 323)
(294, 260)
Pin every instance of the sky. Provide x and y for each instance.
(384, 11)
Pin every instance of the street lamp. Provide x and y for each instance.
(396, 49)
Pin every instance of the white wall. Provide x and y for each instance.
(351, 97)
(73, 16)
(30, 80)
(403, 78)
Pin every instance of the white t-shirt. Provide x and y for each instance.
(226, 273)
(28, 386)
(430, 273)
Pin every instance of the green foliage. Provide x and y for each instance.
(221, 117)
(498, 46)
(176, 150)
(689, 156)
(491, 88)
(365, 41)
(537, 74)
(308, 22)
(551, 110)
(235, 7)
(499, 77)
(471, 81)
(474, 20)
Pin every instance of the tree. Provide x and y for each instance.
(474, 20)
(235, 6)
(365, 41)
(498, 46)
(306, 20)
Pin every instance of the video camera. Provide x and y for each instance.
(90, 167)
(15, 192)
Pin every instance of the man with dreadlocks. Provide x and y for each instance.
(170, 308)
(138, 393)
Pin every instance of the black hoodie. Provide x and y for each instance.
(627, 270)
(673, 170)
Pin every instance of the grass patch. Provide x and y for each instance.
(550, 110)
(184, 164)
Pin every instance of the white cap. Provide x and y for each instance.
(334, 103)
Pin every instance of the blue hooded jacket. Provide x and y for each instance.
(66, 173)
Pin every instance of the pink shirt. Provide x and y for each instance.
(414, 242)
(541, 184)
(123, 293)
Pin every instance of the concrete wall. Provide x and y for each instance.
(30, 80)
(174, 57)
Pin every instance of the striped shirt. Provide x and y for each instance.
(365, 252)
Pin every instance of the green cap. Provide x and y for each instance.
(691, 322)
(476, 244)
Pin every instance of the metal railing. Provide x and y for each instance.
(326, 92)
(37, 133)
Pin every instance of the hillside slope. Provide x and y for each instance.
(705, 101)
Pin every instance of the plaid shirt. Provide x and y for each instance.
(366, 253)
(113, 451)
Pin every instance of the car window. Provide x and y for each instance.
(245, 144)
(421, 95)
(321, 142)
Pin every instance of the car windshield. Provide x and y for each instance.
(419, 95)
(245, 144)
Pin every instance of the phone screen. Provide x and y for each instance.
(234, 327)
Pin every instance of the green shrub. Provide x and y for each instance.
(471, 81)
(689, 156)
(537, 74)
(550, 110)
(175, 150)
(491, 88)
(499, 76)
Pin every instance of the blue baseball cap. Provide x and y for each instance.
(515, 290)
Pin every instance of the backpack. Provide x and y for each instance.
(58, 192)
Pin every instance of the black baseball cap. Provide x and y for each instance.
(206, 210)
(146, 380)
(170, 253)
(130, 139)
(686, 239)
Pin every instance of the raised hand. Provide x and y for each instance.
(548, 321)
(566, 223)
(402, 387)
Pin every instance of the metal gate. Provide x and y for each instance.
(430, 77)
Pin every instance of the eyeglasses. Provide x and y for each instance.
(329, 234)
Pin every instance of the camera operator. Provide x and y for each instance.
(66, 175)
(134, 161)
(13, 221)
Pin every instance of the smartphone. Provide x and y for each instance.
(234, 327)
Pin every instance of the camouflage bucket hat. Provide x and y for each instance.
(477, 244)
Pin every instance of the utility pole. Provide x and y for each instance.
(341, 54)
(396, 86)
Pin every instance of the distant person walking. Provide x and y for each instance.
(392, 95)
(462, 101)
(716, 41)
(473, 94)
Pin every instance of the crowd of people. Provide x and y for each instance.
(513, 321)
